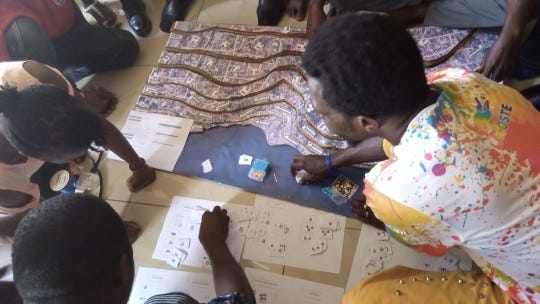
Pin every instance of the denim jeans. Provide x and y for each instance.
(84, 50)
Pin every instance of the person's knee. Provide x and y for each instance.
(129, 49)
(26, 40)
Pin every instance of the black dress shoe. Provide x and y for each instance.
(140, 24)
(174, 10)
(134, 10)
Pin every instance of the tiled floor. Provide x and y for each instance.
(149, 206)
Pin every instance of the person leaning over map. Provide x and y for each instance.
(462, 165)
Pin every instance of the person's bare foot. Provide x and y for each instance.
(98, 100)
(133, 230)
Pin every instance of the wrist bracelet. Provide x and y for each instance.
(141, 163)
(329, 167)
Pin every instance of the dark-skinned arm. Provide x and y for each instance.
(315, 16)
(228, 275)
(143, 175)
(369, 150)
(499, 61)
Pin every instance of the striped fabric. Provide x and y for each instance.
(182, 298)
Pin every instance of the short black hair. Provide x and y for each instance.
(66, 245)
(42, 119)
(367, 65)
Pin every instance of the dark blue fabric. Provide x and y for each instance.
(223, 146)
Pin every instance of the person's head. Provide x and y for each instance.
(361, 70)
(70, 249)
(44, 122)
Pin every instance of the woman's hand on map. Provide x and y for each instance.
(313, 165)
(141, 177)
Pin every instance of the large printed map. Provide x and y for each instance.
(223, 75)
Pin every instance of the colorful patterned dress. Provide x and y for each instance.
(466, 173)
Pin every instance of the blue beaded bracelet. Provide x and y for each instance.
(329, 164)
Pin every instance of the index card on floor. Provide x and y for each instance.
(157, 138)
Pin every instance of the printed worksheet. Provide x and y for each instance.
(157, 138)
(288, 234)
(272, 288)
(376, 251)
(153, 281)
(178, 242)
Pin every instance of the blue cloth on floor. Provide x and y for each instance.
(223, 146)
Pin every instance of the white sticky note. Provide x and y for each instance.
(245, 159)
(207, 166)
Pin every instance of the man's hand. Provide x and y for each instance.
(500, 59)
(142, 177)
(364, 213)
(314, 165)
(359, 207)
(214, 228)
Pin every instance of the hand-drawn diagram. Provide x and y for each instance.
(286, 234)
(178, 242)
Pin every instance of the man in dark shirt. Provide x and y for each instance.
(74, 249)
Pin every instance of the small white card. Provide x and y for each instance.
(245, 160)
(207, 166)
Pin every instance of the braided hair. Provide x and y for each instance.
(44, 122)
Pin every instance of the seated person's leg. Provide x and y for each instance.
(466, 13)
(91, 49)
(27, 40)
(270, 12)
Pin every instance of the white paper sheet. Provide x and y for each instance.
(282, 223)
(376, 251)
(157, 138)
(152, 281)
(272, 288)
(181, 230)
